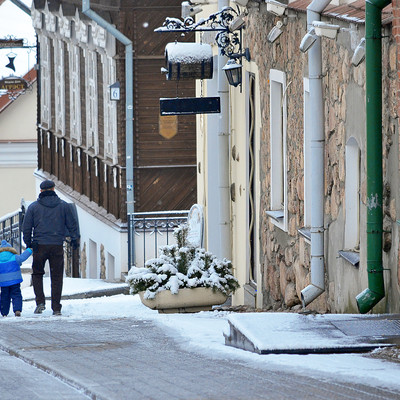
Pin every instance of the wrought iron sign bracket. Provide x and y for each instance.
(228, 24)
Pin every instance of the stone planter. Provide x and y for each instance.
(187, 300)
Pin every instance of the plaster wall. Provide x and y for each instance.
(18, 151)
(17, 183)
(18, 120)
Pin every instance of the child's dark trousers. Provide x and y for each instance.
(8, 294)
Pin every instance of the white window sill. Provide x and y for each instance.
(277, 218)
(352, 257)
(306, 233)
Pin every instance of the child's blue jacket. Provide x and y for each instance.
(10, 264)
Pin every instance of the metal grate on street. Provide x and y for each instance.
(369, 327)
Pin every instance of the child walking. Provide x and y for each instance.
(11, 278)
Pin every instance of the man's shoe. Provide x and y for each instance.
(17, 313)
(56, 312)
(39, 309)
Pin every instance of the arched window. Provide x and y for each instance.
(352, 195)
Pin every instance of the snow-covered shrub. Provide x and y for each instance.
(182, 266)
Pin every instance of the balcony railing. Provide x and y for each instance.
(148, 231)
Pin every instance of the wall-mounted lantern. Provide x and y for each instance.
(233, 72)
(233, 69)
(115, 92)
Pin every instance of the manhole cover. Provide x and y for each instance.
(383, 327)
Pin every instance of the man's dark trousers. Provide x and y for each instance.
(55, 254)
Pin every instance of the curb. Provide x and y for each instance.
(52, 372)
(91, 294)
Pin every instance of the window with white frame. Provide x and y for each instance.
(45, 80)
(74, 90)
(59, 86)
(278, 121)
(352, 195)
(92, 130)
(110, 110)
(307, 153)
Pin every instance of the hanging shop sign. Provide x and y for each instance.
(190, 105)
(7, 43)
(13, 84)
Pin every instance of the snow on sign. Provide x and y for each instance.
(188, 61)
(11, 43)
(190, 105)
(196, 225)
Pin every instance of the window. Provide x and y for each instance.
(74, 98)
(110, 110)
(59, 86)
(278, 120)
(92, 134)
(352, 195)
(45, 75)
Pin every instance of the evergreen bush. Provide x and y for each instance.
(182, 266)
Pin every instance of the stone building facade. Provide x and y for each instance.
(284, 250)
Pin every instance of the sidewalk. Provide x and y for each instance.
(76, 288)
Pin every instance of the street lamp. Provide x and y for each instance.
(233, 72)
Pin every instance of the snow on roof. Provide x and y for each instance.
(352, 12)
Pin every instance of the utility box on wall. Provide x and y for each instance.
(188, 61)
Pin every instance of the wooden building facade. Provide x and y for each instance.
(81, 131)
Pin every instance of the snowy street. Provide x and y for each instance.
(116, 348)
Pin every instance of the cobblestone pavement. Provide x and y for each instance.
(134, 359)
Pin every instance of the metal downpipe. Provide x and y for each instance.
(22, 6)
(317, 286)
(375, 292)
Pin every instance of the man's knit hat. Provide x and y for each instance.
(45, 185)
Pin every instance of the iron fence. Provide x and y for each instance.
(10, 228)
(148, 231)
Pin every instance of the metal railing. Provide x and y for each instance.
(148, 231)
(10, 228)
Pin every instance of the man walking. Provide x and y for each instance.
(45, 224)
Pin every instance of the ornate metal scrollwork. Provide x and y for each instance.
(227, 41)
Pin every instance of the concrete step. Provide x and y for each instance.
(273, 333)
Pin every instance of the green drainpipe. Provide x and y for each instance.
(375, 292)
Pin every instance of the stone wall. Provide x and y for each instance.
(285, 256)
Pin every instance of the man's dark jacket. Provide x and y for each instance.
(48, 219)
